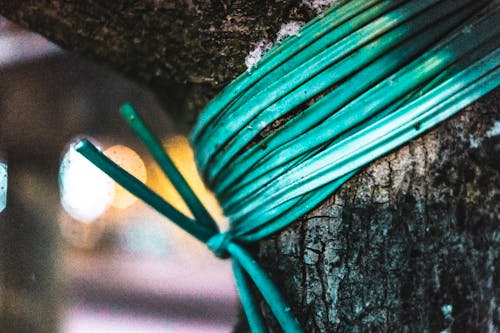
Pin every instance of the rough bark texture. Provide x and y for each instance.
(393, 249)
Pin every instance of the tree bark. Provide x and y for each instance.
(410, 244)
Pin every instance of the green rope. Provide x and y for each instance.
(221, 244)
(363, 78)
(400, 54)
(144, 133)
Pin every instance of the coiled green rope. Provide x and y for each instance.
(360, 80)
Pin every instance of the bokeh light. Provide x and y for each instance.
(183, 157)
(129, 160)
(3, 186)
(86, 192)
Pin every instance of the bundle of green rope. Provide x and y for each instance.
(358, 81)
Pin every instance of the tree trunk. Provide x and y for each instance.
(411, 244)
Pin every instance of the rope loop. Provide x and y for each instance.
(218, 244)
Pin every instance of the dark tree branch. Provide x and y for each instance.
(160, 42)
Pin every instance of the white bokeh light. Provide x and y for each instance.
(3, 186)
(86, 192)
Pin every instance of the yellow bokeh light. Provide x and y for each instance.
(129, 160)
(182, 155)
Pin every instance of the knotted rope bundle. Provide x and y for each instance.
(360, 80)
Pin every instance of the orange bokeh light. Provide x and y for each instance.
(129, 160)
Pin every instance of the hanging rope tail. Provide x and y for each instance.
(360, 80)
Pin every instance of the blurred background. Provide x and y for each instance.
(77, 252)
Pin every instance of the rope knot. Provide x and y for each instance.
(218, 244)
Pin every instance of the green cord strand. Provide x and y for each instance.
(325, 70)
(374, 100)
(336, 15)
(374, 72)
(316, 172)
(136, 187)
(168, 167)
(426, 66)
(280, 191)
(248, 301)
(284, 84)
(271, 294)
(447, 108)
(197, 228)
(276, 302)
